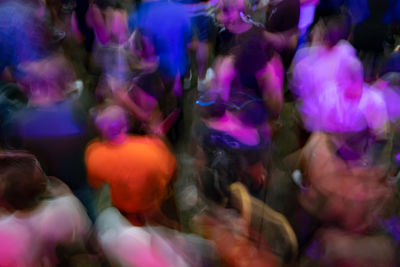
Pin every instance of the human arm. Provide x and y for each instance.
(270, 80)
(95, 20)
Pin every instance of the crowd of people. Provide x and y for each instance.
(199, 133)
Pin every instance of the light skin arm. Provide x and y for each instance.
(224, 74)
(95, 20)
(270, 79)
(282, 40)
(123, 98)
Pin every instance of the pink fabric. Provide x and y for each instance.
(329, 83)
(26, 237)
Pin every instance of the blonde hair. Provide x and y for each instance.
(242, 5)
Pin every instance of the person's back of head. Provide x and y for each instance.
(22, 182)
(338, 27)
(111, 121)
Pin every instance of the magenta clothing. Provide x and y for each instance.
(30, 239)
(332, 97)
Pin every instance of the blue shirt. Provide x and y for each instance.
(167, 24)
(20, 35)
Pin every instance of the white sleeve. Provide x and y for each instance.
(131, 246)
(62, 219)
(124, 244)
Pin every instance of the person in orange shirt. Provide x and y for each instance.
(138, 169)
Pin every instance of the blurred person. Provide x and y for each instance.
(80, 28)
(233, 136)
(166, 31)
(353, 186)
(245, 230)
(166, 25)
(245, 94)
(282, 20)
(141, 90)
(108, 19)
(341, 248)
(23, 36)
(370, 36)
(138, 169)
(129, 245)
(53, 126)
(388, 83)
(345, 162)
(124, 68)
(50, 11)
(248, 70)
(38, 214)
(230, 234)
(227, 141)
(335, 100)
(345, 185)
(150, 245)
(204, 31)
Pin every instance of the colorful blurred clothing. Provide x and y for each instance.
(149, 246)
(21, 36)
(29, 238)
(167, 24)
(57, 134)
(329, 85)
(138, 171)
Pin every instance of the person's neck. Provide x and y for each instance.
(121, 138)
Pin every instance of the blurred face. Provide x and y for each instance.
(229, 12)
(49, 77)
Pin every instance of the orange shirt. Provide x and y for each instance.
(138, 171)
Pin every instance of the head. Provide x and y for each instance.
(112, 122)
(22, 181)
(228, 12)
(390, 69)
(331, 29)
(46, 80)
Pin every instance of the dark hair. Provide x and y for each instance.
(22, 182)
(252, 54)
(338, 27)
